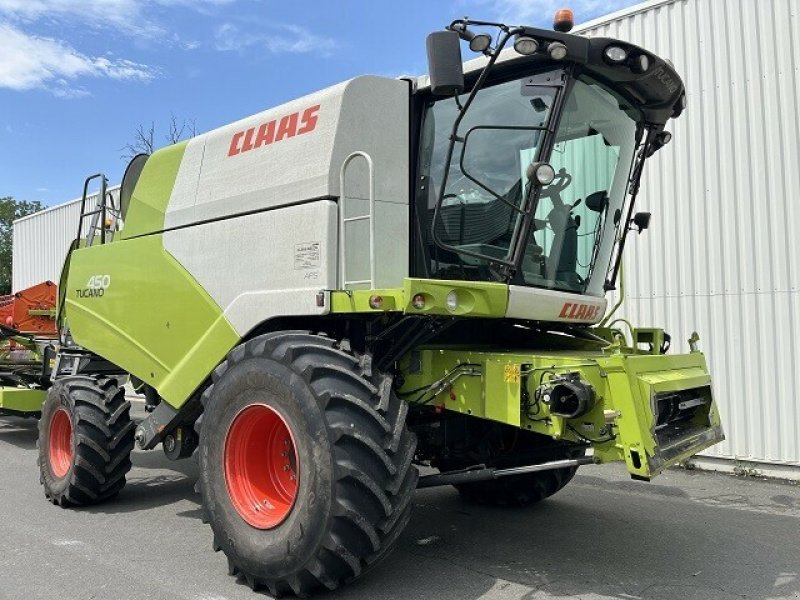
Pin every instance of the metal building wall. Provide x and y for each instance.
(41, 241)
(723, 254)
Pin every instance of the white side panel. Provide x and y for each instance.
(263, 265)
(723, 255)
(391, 244)
(550, 305)
(294, 152)
(249, 166)
(391, 235)
(184, 194)
(219, 176)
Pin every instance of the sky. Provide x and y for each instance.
(78, 77)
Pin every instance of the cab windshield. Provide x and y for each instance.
(504, 131)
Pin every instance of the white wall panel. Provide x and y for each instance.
(41, 242)
(723, 254)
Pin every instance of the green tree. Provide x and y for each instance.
(11, 209)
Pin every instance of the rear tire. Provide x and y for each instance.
(85, 440)
(340, 501)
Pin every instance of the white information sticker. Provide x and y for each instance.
(306, 256)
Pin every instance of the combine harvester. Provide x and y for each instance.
(383, 274)
(27, 332)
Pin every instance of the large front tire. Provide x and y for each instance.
(85, 440)
(305, 463)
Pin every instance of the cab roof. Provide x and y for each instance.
(658, 92)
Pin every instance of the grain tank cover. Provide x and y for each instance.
(294, 153)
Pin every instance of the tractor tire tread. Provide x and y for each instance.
(374, 478)
(103, 441)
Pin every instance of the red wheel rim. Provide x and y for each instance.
(261, 466)
(60, 437)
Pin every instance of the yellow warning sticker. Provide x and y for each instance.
(511, 373)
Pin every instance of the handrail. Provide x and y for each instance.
(102, 198)
(369, 216)
(83, 198)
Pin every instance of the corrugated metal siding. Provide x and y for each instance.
(41, 242)
(723, 254)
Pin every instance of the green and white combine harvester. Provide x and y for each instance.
(385, 274)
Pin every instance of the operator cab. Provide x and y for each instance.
(529, 159)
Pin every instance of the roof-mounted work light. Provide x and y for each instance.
(557, 51)
(478, 42)
(525, 45)
(640, 64)
(615, 54)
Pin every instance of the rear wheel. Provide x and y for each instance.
(305, 463)
(85, 440)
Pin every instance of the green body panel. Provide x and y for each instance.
(633, 384)
(151, 196)
(22, 400)
(475, 298)
(152, 320)
(500, 385)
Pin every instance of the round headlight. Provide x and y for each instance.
(542, 173)
(616, 54)
(452, 301)
(557, 51)
(480, 42)
(418, 301)
(525, 45)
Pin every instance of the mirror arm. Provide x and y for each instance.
(463, 23)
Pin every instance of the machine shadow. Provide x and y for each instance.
(19, 431)
(562, 547)
(559, 548)
(154, 481)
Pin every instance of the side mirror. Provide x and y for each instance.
(444, 63)
(597, 202)
(662, 139)
(640, 221)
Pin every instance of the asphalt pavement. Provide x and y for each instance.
(685, 536)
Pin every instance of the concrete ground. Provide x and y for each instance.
(686, 536)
